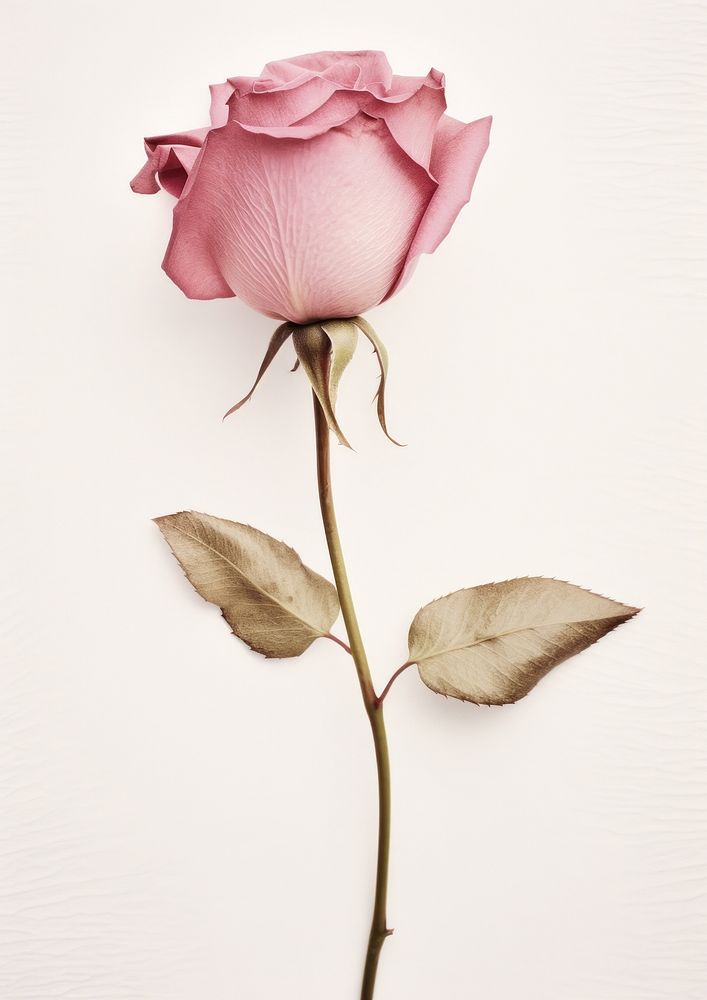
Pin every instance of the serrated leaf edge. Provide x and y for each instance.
(620, 619)
(316, 632)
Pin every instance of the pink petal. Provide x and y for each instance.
(413, 115)
(457, 152)
(340, 107)
(301, 229)
(290, 90)
(220, 94)
(361, 70)
(412, 112)
(171, 158)
(403, 87)
(280, 107)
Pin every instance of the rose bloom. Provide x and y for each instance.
(316, 187)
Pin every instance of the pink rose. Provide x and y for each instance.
(316, 187)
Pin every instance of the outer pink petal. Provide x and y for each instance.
(340, 107)
(301, 229)
(220, 94)
(411, 112)
(282, 106)
(457, 153)
(171, 158)
(360, 70)
(413, 115)
(402, 87)
(290, 90)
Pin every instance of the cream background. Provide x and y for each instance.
(183, 821)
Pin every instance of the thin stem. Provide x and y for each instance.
(374, 711)
(339, 642)
(395, 676)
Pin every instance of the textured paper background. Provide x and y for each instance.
(181, 820)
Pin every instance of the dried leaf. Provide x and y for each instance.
(492, 644)
(324, 350)
(269, 598)
(278, 338)
(382, 355)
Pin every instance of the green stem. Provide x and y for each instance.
(374, 709)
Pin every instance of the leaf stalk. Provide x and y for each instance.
(394, 677)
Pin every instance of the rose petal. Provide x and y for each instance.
(403, 87)
(412, 112)
(171, 158)
(220, 94)
(290, 90)
(300, 229)
(413, 115)
(362, 70)
(280, 107)
(457, 152)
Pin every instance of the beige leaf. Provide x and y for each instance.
(492, 644)
(324, 350)
(276, 341)
(271, 600)
(382, 355)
